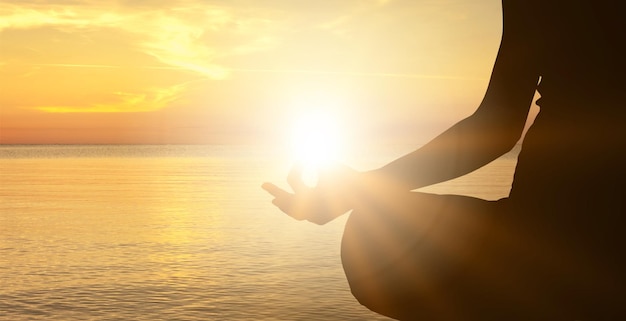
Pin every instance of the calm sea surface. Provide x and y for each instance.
(173, 233)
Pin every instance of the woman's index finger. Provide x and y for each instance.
(274, 190)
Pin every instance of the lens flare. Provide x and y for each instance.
(316, 141)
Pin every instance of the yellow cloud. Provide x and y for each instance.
(176, 37)
(22, 16)
(192, 35)
(149, 100)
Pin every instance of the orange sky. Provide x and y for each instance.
(197, 71)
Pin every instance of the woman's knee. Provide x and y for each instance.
(382, 273)
(369, 244)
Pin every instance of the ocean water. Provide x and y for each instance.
(173, 233)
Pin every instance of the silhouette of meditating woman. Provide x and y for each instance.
(553, 249)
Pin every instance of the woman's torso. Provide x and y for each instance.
(573, 157)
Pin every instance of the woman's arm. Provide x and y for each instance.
(496, 125)
(473, 142)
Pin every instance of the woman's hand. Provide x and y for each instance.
(333, 195)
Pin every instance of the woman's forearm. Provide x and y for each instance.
(465, 147)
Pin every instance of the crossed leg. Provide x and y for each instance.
(418, 256)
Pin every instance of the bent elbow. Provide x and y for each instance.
(503, 136)
(509, 141)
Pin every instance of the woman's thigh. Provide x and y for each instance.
(408, 254)
(383, 230)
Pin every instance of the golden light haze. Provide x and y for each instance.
(194, 71)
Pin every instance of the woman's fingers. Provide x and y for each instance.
(285, 204)
(284, 200)
(275, 190)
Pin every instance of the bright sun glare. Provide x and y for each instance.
(316, 140)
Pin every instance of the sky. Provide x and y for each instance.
(239, 71)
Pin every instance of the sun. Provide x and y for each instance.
(316, 141)
(315, 138)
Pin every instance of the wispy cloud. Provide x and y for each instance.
(177, 36)
(104, 66)
(193, 35)
(147, 100)
(185, 35)
(356, 74)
